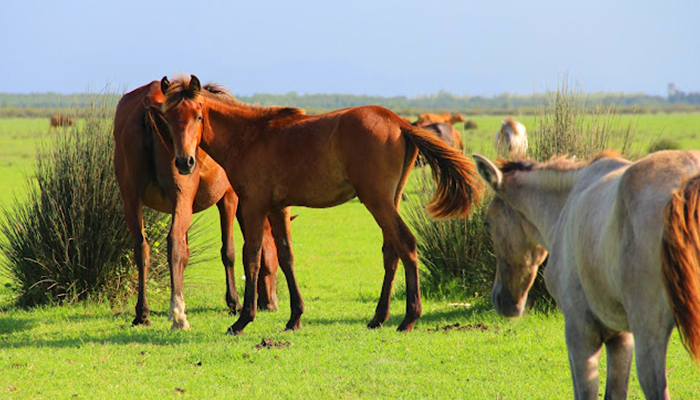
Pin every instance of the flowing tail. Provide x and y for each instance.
(459, 185)
(681, 262)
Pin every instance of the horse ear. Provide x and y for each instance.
(489, 171)
(164, 84)
(195, 85)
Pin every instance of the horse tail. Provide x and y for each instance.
(681, 262)
(458, 183)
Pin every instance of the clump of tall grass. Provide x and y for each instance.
(457, 254)
(567, 125)
(67, 240)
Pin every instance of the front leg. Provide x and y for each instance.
(178, 257)
(253, 221)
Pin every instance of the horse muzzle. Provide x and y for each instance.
(185, 165)
(505, 305)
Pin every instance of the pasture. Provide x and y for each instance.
(90, 350)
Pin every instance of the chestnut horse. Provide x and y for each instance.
(60, 121)
(624, 248)
(143, 162)
(429, 118)
(279, 157)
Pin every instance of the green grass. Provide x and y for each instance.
(90, 351)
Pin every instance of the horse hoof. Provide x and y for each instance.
(406, 326)
(141, 321)
(182, 326)
(375, 324)
(234, 332)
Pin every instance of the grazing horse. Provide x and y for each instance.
(278, 157)
(624, 247)
(511, 139)
(143, 163)
(428, 118)
(60, 121)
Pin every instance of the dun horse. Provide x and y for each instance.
(143, 161)
(279, 157)
(624, 249)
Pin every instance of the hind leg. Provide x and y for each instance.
(133, 212)
(619, 349)
(391, 263)
(399, 242)
(227, 212)
(281, 231)
(267, 278)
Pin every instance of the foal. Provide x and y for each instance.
(279, 157)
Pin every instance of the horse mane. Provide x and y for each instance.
(556, 163)
(180, 91)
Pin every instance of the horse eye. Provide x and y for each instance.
(199, 118)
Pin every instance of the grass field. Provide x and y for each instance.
(90, 351)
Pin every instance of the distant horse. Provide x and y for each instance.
(624, 249)
(60, 121)
(447, 133)
(278, 157)
(511, 139)
(428, 118)
(143, 162)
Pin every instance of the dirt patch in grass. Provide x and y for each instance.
(479, 326)
(271, 344)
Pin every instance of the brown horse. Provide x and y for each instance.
(143, 162)
(428, 118)
(278, 157)
(447, 133)
(60, 121)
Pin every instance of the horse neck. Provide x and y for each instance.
(540, 196)
(226, 132)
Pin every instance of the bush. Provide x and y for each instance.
(456, 253)
(664, 144)
(67, 240)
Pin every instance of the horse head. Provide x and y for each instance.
(183, 111)
(518, 254)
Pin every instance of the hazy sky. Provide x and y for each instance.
(362, 47)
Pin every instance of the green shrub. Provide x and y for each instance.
(67, 240)
(456, 254)
(664, 144)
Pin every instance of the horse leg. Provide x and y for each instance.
(583, 342)
(281, 231)
(227, 212)
(178, 256)
(133, 212)
(403, 244)
(252, 220)
(650, 354)
(619, 349)
(391, 263)
(267, 278)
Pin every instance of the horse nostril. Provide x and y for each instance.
(185, 164)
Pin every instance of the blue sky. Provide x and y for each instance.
(362, 47)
